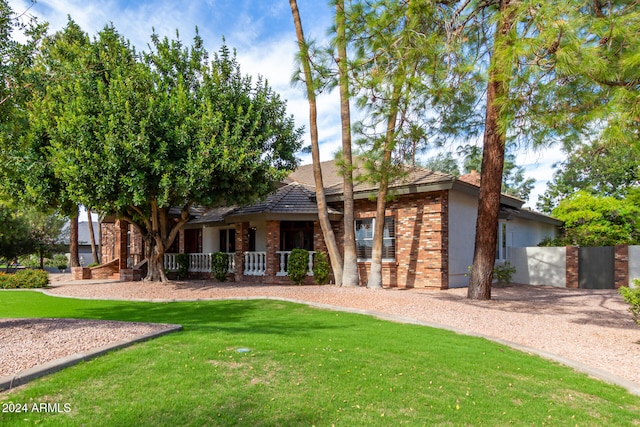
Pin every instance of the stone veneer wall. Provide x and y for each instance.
(422, 241)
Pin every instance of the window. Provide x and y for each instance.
(296, 235)
(364, 239)
(501, 245)
(228, 240)
(193, 241)
(252, 239)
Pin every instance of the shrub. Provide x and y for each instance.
(220, 266)
(183, 265)
(321, 268)
(632, 297)
(503, 273)
(25, 279)
(93, 264)
(298, 265)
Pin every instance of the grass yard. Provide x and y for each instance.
(305, 367)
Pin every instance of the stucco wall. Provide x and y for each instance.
(529, 233)
(462, 230)
(539, 265)
(634, 263)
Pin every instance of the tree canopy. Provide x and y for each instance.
(137, 134)
(602, 168)
(591, 220)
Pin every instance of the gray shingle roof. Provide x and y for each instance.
(294, 198)
(332, 180)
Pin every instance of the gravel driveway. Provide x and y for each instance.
(591, 330)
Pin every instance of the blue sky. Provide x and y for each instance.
(263, 34)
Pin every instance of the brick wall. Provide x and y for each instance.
(621, 266)
(573, 278)
(421, 241)
(108, 246)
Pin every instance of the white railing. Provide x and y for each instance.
(284, 263)
(198, 263)
(255, 263)
(170, 262)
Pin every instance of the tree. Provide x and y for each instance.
(408, 83)
(160, 132)
(311, 88)
(443, 162)
(602, 168)
(537, 92)
(514, 182)
(591, 220)
(350, 266)
(45, 232)
(15, 239)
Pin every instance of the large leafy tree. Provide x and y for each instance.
(603, 168)
(148, 136)
(591, 220)
(27, 174)
(46, 232)
(15, 239)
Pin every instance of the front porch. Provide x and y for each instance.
(254, 263)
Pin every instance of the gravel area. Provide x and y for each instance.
(31, 342)
(592, 327)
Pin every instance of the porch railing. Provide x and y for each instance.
(255, 263)
(284, 263)
(198, 263)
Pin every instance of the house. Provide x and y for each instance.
(428, 240)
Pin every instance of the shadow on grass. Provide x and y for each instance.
(255, 316)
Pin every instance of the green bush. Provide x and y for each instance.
(321, 268)
(24, 279)
(503, 273)
(632, 297)
(220, 266)
(93, 264)
(183, 265)
(298, 265)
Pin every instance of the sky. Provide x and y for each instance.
(263, 35)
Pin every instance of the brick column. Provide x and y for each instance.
(573, 278)
(122, 227)
(242, 246)
(621, 266)
(181, 241)
(273, 245)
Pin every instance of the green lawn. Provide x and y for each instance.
(305, 367)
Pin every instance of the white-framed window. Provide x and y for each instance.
(228, 240)
(501, 245)
(364, 239)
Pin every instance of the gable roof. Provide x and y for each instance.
(420, 179)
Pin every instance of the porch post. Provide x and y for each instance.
(242, 246)
(273, 245)
(122, 227)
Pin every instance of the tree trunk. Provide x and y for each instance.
(74, 258)
(155, 263)
(492, 165)
(323, 215)
(375, 274)
(350, 271)
(94, 251)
